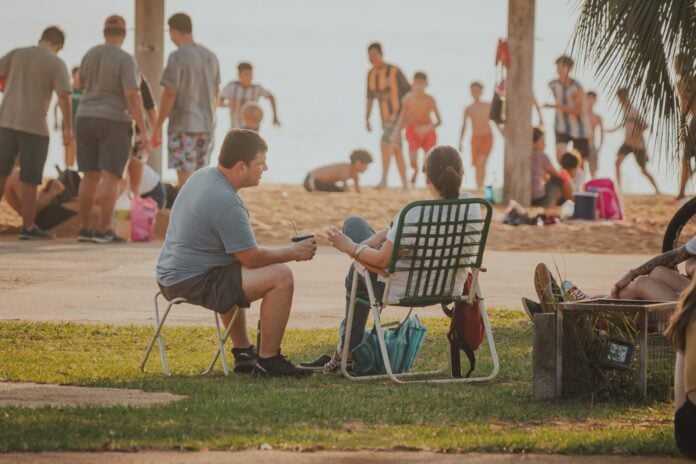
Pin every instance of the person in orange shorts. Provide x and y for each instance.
(416, 117)
(481, 134)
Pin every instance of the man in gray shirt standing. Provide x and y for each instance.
(31, 75)
(110, 103)
(191, 84)
(210, 256)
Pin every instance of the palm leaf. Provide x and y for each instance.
(632, 44)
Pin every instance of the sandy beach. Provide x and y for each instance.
(273, 206)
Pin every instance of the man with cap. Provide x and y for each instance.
(30, 76)
(110, 102)
(191, 86)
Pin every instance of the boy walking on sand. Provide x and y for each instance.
(634, 126)
(595, 123)
(478, 113)
(326, 178)
(420, 128)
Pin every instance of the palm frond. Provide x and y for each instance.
(632, 44)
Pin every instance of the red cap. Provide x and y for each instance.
(115, 21)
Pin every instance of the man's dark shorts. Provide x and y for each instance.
(32, 150)
(218, 289)
(102, 144)
(640, 154)
(685, 429)
(581, 145)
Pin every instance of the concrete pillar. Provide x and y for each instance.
(518, 102)
(149, 53)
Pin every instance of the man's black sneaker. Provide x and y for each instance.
(85, 235)
(279, 366)
(531, 308)
(245, 359)
(34, 233)
(107, 237)
(316, 365)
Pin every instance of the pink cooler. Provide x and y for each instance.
(608, 204)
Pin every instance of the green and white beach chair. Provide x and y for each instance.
(435, 241)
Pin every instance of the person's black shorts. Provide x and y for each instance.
(102, 144)
(685, 429)
(553, 195)
(32, 150)
(582, 145)
(219, 289)
(640, 154)
(312, 185)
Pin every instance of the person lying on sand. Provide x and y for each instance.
(328, 178)
(443, 178)
(655, 280)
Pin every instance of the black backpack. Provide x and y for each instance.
(71, 180)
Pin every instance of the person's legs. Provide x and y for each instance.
(87, 134)
(400, 163)
(413, 161)
(386, 149)
(88, 188)
(619, 159)
(670, 278)
(685, 175)
(108, 192)
(648, 288)
(33, 150)
(9, 147)
(135, 176)
(238, 332)
(11, 191)
(274, 285)
(47, 194)
(642, 159)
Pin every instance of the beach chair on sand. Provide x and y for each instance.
(431, 250)
(222, 337)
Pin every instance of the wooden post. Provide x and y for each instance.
(149, 53)
(518, 102)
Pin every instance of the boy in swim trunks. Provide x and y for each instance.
(634, 126)
(327, 178)
(481, 135)
(420, 128)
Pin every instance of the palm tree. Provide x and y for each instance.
(633, 44)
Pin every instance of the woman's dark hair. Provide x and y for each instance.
(180, 22)
(682, 317)
(443, 166)
(241, 145)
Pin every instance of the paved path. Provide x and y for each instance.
(65, 281)
(320, 457)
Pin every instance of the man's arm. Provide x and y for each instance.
(368, 111)
(166, 105)
(601, 133)
(272, 100)
(260, 257)
(438, 118)
(356, 183)
(64, 105)
(669, 259)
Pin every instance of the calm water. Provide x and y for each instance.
(311, 55)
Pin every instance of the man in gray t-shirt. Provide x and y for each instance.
(191, 82)
(210, 256)
(111, 101)
(31, 76)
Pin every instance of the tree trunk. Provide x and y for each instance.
(519, 102)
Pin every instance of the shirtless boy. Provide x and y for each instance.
(481, 135)
(327, 178)
(420, 128)
(634, 126)
(595, 123)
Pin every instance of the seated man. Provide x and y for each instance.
(210, 256)
(655, 280)
(327, 178)
(548, 187)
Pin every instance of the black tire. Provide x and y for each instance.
(685, 215)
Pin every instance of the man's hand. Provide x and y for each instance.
(156, 139)
(622, 283)
(67, 136)
(304, 250)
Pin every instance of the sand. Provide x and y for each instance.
(33, 395)
(272, 206)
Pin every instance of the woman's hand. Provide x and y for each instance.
(340, 241)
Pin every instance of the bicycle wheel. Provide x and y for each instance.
(681, 228)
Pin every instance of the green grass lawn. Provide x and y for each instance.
(324, 411)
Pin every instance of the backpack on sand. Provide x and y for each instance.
(465, 332)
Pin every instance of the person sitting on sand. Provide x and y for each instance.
(44, 196)
(655, 280)
(416, 118)
(210, 256)
(548, 188)
(327, 178)
(443, 177)
(571, 174)
(681, 333)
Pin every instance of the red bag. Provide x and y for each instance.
(466, 331)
